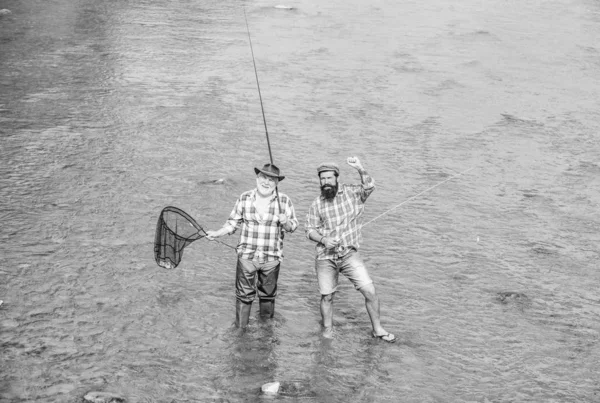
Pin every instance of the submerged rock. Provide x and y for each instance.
(295, 388)
(4, 11)
(514, 299)
(270, 388)
(506, 296)
(102, 397)
(219, 181)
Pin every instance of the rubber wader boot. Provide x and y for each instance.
(242, 314)
(267, 308)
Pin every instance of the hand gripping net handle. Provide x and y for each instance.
(174, 231)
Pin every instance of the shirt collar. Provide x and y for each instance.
(255, 192)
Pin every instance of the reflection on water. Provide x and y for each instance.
(111, 111)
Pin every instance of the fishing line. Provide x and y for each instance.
(415, 196)
(261, 102)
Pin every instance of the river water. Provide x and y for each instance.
(111, 110)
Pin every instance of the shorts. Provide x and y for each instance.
(350, 265)
(251, 277)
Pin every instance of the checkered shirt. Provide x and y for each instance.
(340, 217)
(261, 238)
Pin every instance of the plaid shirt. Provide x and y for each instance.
(340, 217)
(261, 238)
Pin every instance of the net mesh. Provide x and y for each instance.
(174, 231)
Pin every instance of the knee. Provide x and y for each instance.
(266, 299)
(369, 292)
(245, 299)
(328, 299)
(244, 295)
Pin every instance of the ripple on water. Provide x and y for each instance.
(489, 282)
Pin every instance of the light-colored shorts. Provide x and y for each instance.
(350, 265)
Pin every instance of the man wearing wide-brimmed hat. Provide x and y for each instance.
(263, 214)
(334, 221)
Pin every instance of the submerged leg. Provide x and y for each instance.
(245, 291)
(267, 308)
(267, 288)
(242, 314)
(327, 314)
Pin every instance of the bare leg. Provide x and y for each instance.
(327, 314)
(372, 304)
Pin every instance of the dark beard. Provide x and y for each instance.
(329, 191)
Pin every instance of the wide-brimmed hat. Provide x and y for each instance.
(328, 166)
(270, 170)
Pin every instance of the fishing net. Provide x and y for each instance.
(174, 231)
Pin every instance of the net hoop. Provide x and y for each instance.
(168, 242)
(187, 217)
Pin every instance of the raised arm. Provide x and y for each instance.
(368, 183)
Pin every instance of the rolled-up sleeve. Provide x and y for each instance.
(367, 187)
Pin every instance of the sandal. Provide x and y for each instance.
(388, 337)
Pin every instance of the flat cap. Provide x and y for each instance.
(328, 166)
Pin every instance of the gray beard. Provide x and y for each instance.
(329, 192)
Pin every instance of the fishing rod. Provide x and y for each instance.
(417, 195)
(261, 102)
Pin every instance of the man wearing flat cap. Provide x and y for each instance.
(263, 215)
(334, 221)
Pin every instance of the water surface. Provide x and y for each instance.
(112, 110)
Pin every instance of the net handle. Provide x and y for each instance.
(197, 226)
